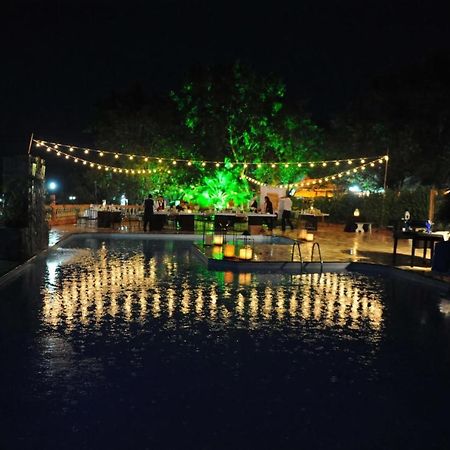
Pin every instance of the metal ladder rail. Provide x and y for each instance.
(296, 244)
(316, 244)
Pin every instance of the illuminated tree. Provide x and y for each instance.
(232, 112)
(220, 190)
(135, 124)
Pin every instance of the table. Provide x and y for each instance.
(185, 221)
(418, 239)
(360, 227)
(224, 221)
(106, 219)
(311, 220)
(259, 219)
(157, 221)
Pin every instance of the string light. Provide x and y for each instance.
(319, 181)
(50, 146)
(244, 164)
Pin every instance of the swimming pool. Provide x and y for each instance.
(117, 342)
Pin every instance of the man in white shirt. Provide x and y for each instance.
(284, 209)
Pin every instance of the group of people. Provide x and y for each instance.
(284, 209)
(150, 206)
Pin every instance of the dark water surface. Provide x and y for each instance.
(132, 344)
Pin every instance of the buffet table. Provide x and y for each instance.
(185, 221)
(107, 219)
(224, 221)
(158, 220)
(260, 219)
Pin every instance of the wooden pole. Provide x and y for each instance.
(386, 170)
(432, 204)
(384, 188)
(31, 143)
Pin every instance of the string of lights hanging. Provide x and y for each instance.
(72, 150)
(333, 177)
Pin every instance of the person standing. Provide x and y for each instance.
(149, 205)
(160, 203)
(285, 209)
(268, 209)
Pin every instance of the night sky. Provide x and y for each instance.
(59, 58)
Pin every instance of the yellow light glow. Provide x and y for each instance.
(228, 250)
(246, 253)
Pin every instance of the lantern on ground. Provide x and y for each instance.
(228, 250)
(246, 252)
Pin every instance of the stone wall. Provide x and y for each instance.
(25, 231)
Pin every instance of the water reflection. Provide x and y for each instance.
(97, 286)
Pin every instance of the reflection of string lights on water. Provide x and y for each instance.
(98, 287)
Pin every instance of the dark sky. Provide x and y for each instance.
(61, 57)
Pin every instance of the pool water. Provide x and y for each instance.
(133, 344)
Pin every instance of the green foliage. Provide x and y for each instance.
(221, 190)
(133, 123)
(232, 112)
(378, 208)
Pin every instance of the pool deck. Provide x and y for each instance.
(336, 246)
